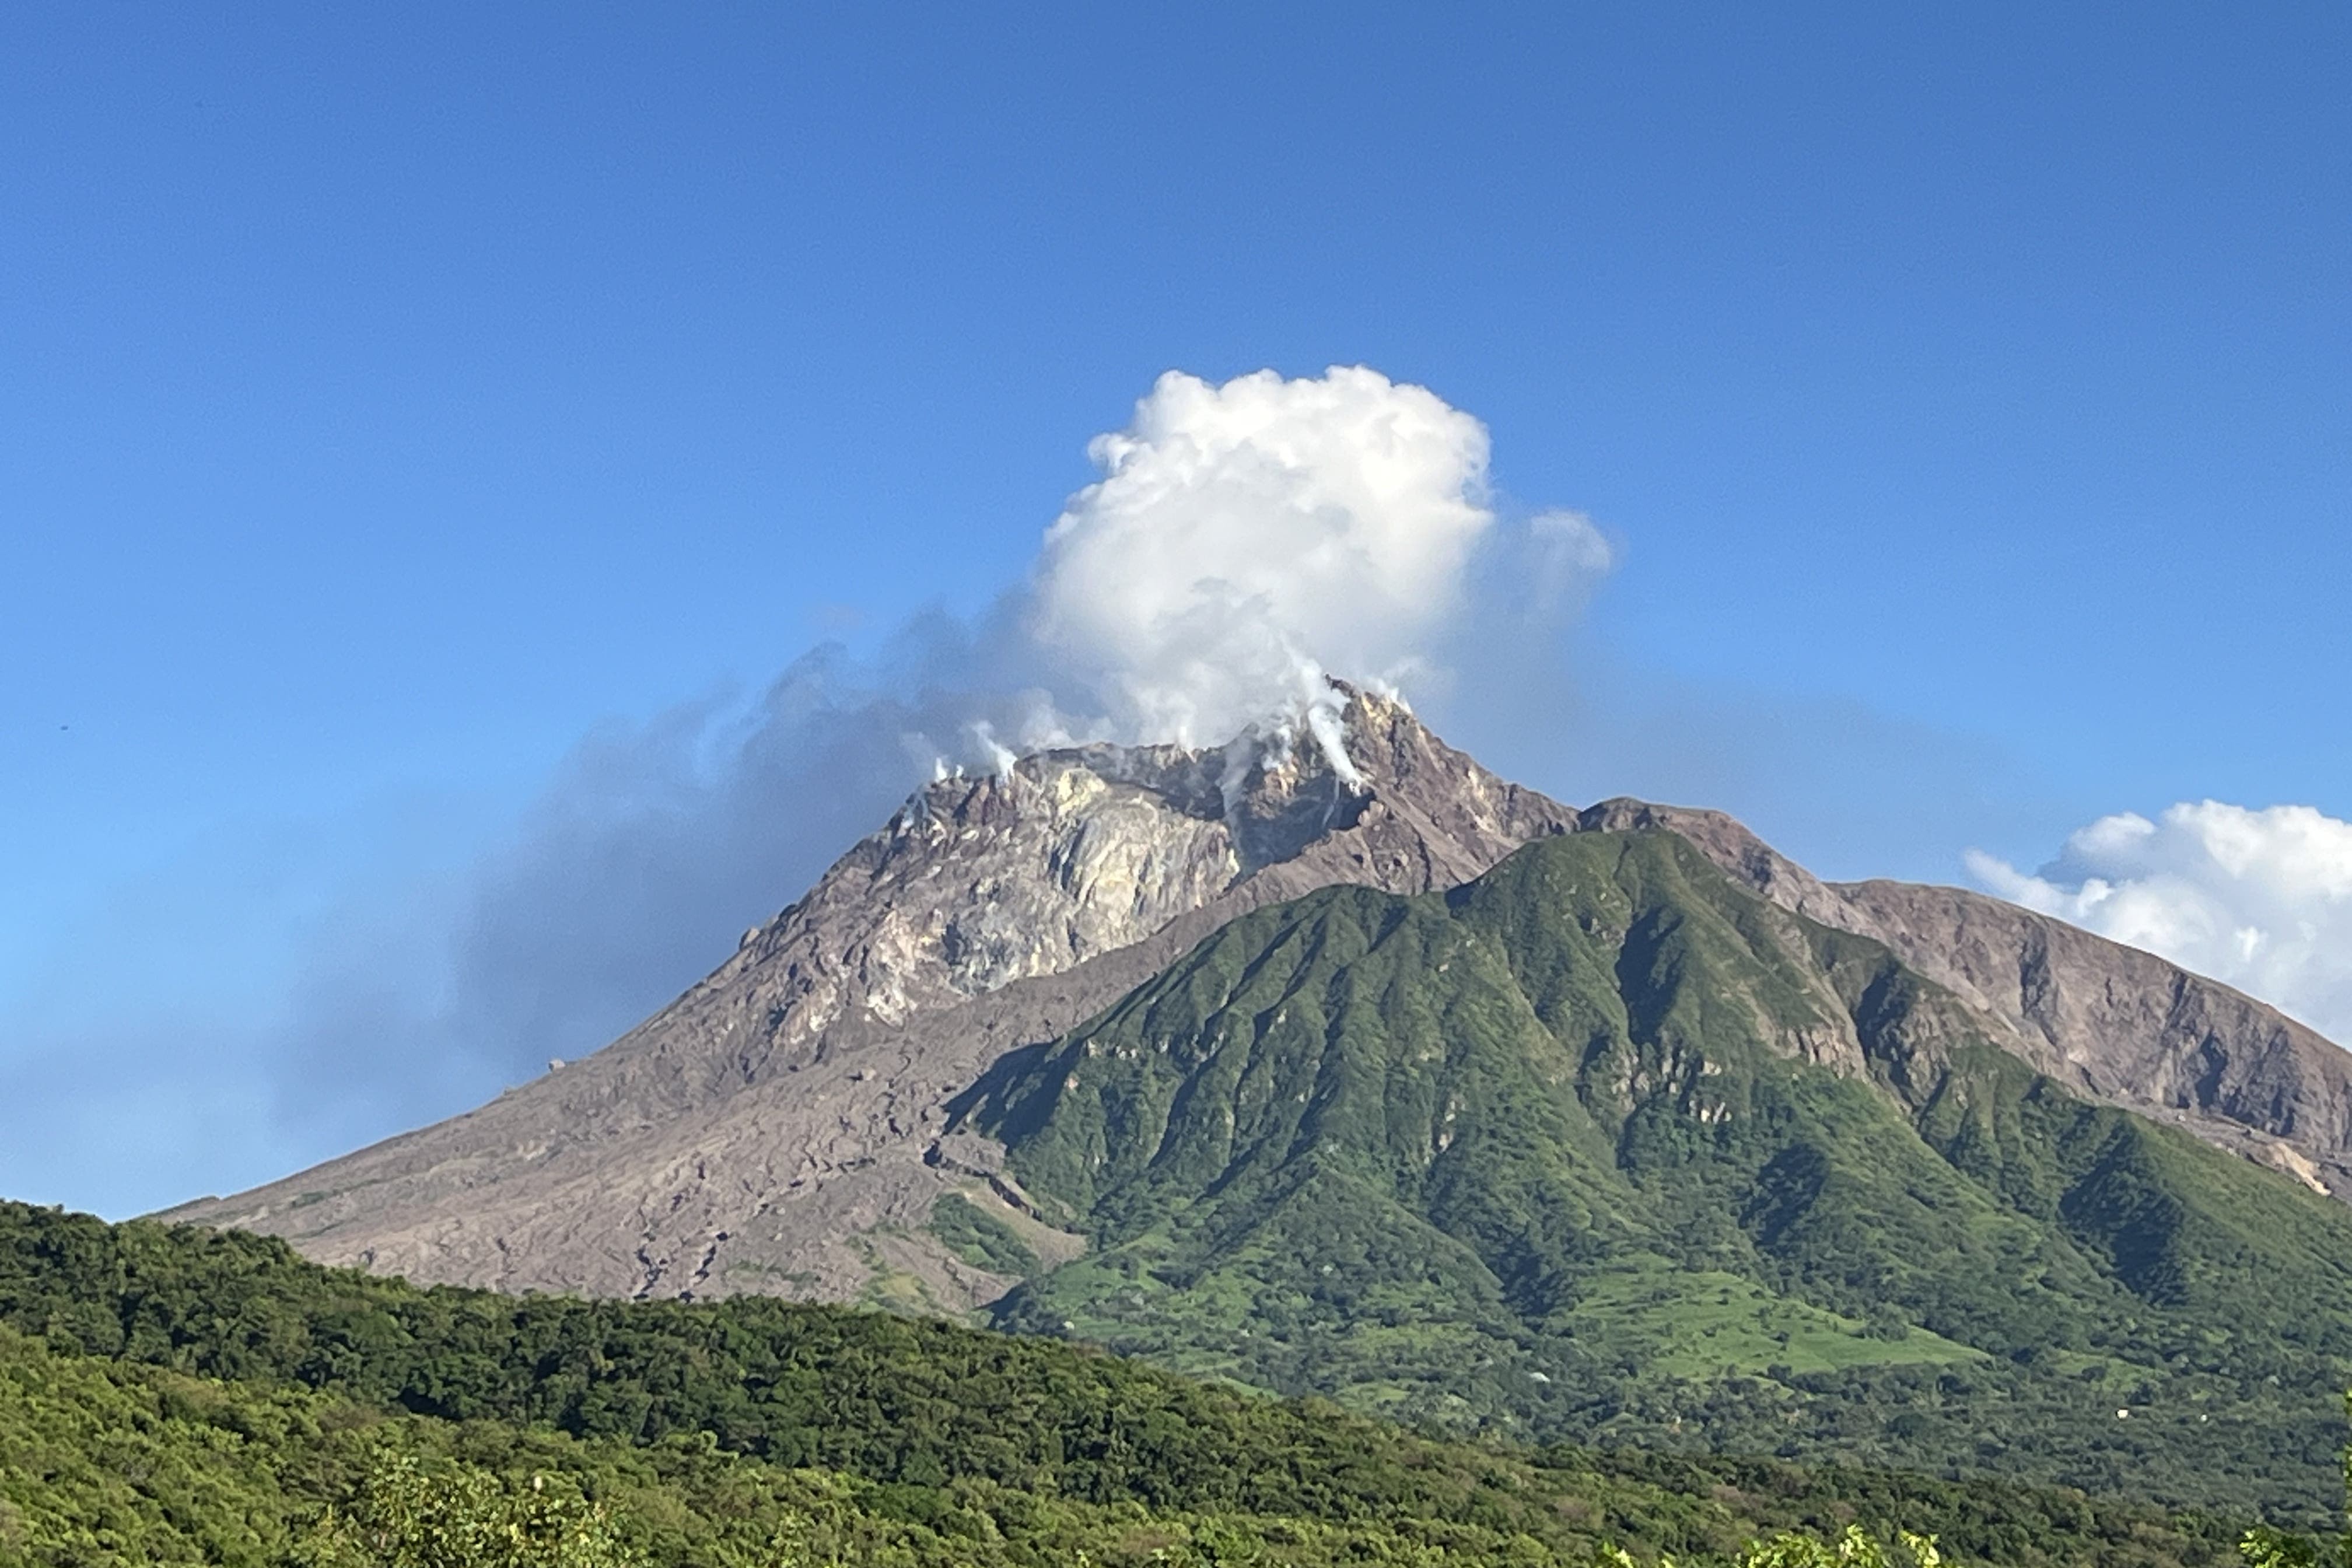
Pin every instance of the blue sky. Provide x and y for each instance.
(395, 403)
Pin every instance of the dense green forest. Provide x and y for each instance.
(1602, 1146)
(170, 1395)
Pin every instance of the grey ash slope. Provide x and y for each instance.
(782, 1127)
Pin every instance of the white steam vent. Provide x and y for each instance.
(1245, 538)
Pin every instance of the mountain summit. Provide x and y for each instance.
(786, 1126)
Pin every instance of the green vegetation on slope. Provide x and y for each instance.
(980, 1238)
(168, 1395)
(1604, 1146)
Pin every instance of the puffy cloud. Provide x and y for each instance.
(2261, 899)
(1245, 539)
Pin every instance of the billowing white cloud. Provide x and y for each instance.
(2261, 899)
(1245, 538)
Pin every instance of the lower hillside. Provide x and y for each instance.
(170, 1395)
(1602, 1146)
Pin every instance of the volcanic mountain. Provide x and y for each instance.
(781, 1126)
(788, 1125)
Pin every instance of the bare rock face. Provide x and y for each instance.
(779, 1127)
(782, 1127)
(2128, 1028)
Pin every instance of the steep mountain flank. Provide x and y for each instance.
(1603, 1142)
(777, 1127)
(2108, 1020)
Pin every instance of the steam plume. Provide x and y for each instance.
(1245, 538)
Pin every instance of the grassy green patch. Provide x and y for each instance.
(1704, 1323)
(980, 1237)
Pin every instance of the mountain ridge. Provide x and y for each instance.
(782, 1127)
(2119, 1023)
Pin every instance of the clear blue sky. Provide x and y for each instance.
(389, 399)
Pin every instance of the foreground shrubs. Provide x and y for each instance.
(170, 1395)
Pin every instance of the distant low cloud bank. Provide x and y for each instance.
(2261, 899)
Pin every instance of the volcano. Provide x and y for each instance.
(789, 1125)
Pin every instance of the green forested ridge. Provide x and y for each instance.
(171, 1394)
(1576, 1150)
